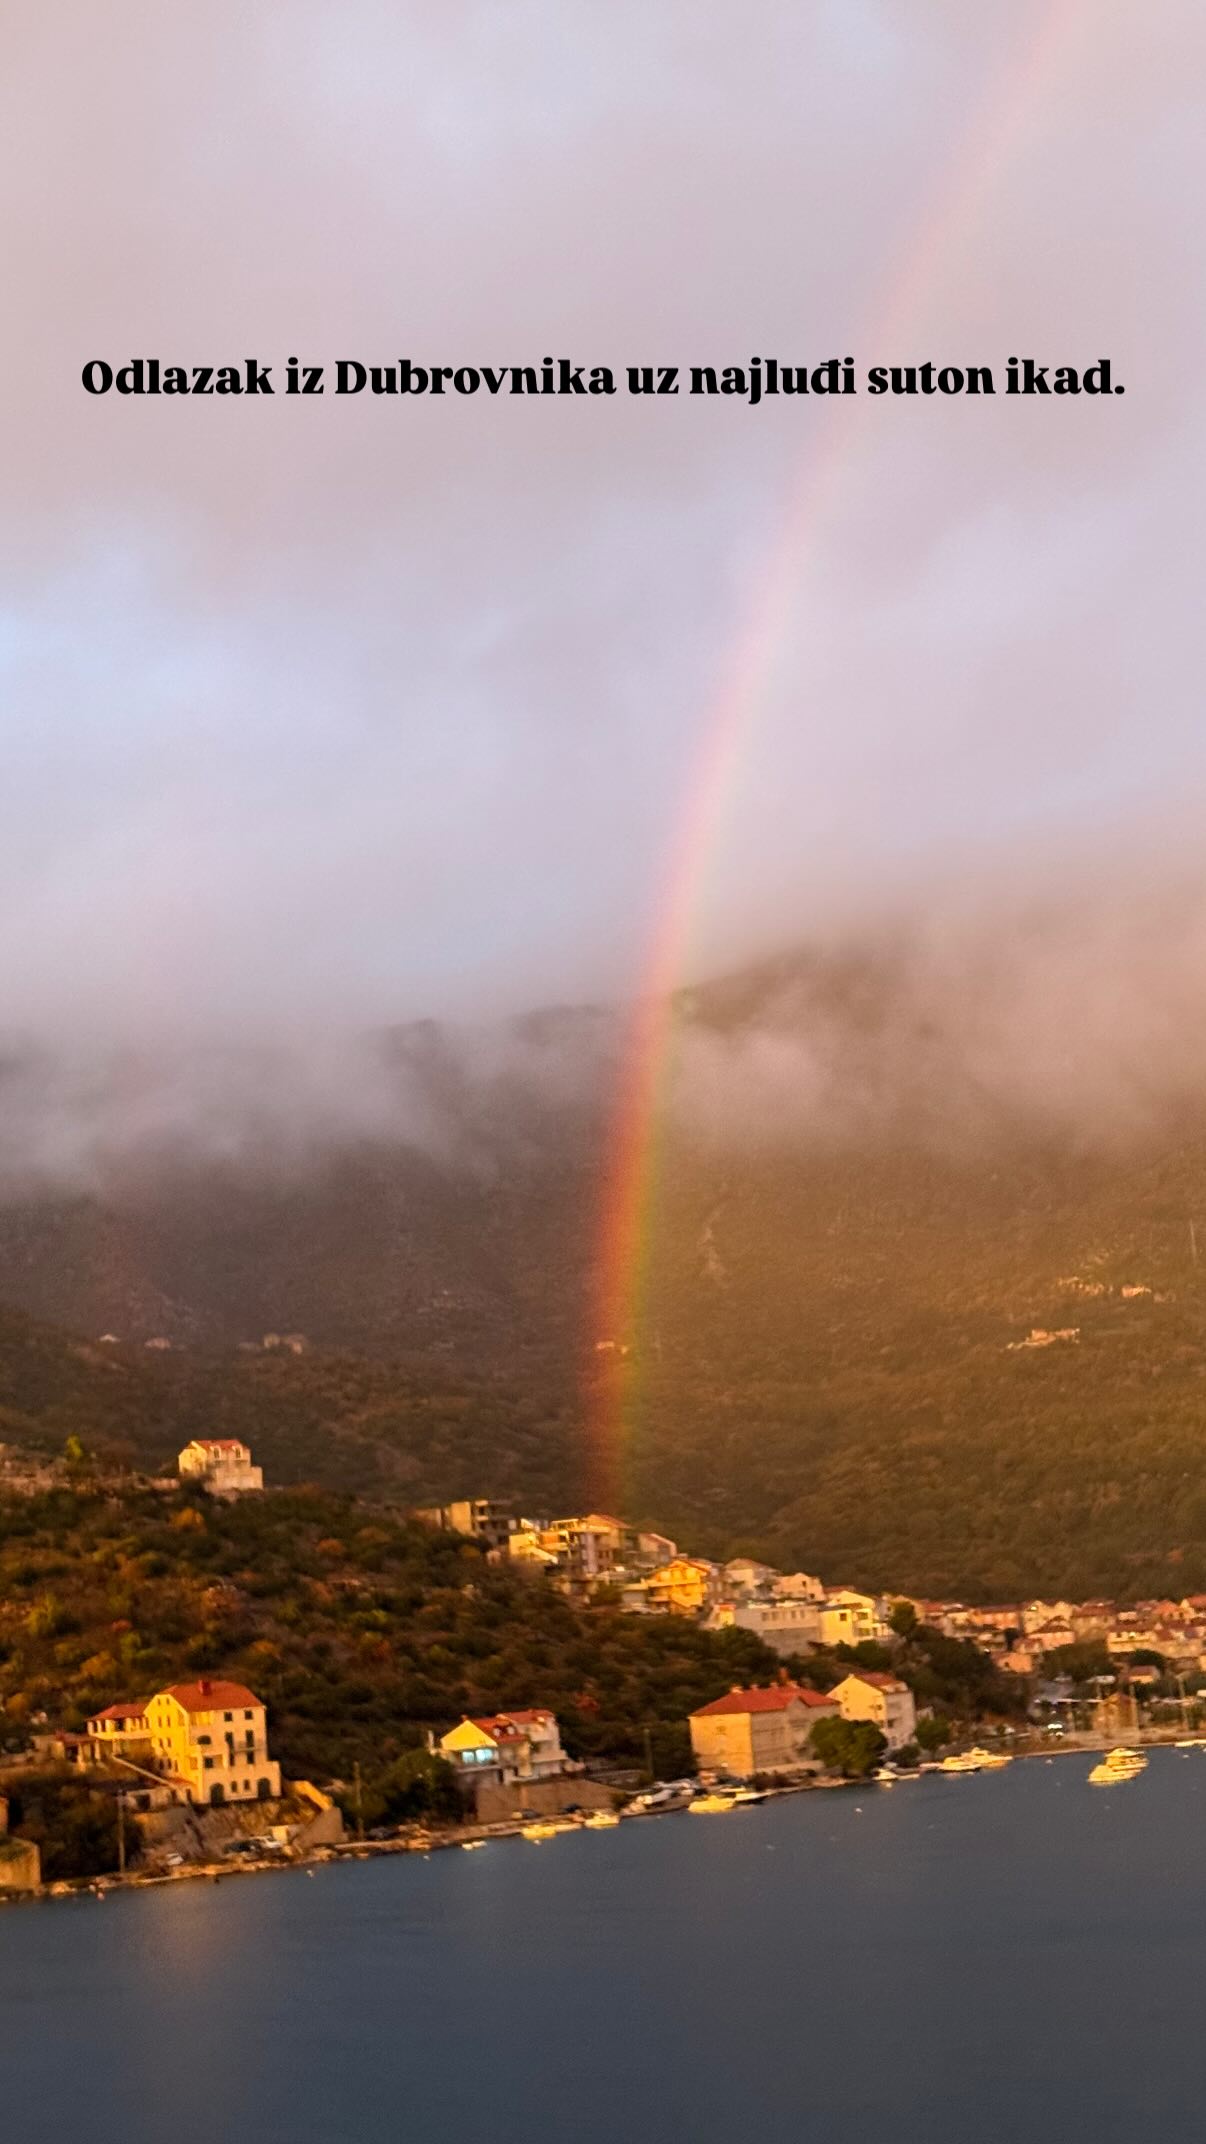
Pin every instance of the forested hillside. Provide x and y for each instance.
(831, 1366)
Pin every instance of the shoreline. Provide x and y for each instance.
(446, 1840)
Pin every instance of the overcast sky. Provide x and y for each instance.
(347, 710)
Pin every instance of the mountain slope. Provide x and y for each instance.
(829, 1366)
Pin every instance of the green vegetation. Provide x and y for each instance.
(359, 1631)
(852, 1747)
(74, 1827)
(834, 1387)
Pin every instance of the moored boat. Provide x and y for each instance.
(711, 1804)
(1118, 1765)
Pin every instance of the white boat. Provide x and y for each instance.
(601, 1820)
(470, 1846)
(990, 1760)
(749, 1794)
(967, 1761)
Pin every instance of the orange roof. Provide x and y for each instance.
(507, 1723)
(122, 1712)
(776, 1699)
(877, 1679)
(210, 1696)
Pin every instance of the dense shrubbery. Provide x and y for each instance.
(358, 1630)
(74, 1827)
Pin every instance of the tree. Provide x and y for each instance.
(852, 1747)
(903, 1618)
(419, 1784)
(932, 1730)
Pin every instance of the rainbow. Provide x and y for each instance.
(612, 1372)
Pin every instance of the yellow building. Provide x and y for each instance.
(684, 1586)
(882, 1699)
(220, 1464)
(211, 1738)
(759, 1730)
(850, 1618)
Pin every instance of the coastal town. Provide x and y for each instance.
(854, 1684)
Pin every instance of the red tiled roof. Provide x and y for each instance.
(121, 1712)
(877, 1679)
(507, 1723)
(210, 1696)
(776, 1699)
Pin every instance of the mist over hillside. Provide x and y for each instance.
(892, 1169)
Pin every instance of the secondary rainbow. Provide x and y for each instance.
(625, 1241)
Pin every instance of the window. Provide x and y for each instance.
(228, 1715)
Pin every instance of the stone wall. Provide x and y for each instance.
(540, 1797)
(20, 1865)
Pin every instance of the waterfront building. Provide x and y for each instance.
(209, 1739)
(220, 1464)
(759, 1730)
(504, 1747)
(883, 1699)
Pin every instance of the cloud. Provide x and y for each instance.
(321, 715)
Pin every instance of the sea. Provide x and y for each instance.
(990, 1958)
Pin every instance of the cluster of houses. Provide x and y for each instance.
(792, 1611)
(1020, 1634)
(648, 1576)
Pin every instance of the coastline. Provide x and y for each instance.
(419, 1841)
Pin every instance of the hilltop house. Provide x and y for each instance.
(882, 1699)
(504, 1747)
(210, 1739)
(759, 1730)
(220, 1464)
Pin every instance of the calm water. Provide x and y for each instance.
(995, 1958)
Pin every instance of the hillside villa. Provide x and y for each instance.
(209, 1740)
(220, 1464)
